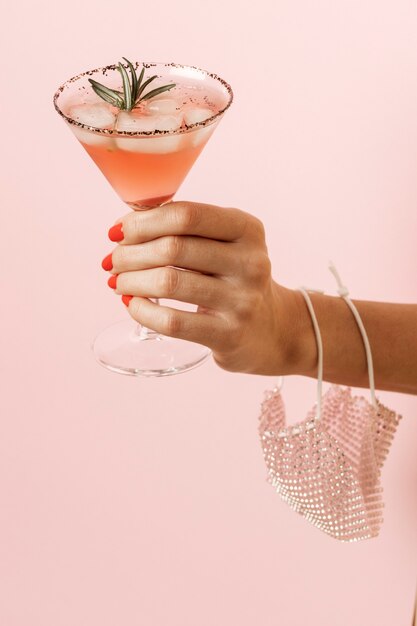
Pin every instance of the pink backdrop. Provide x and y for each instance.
(144, 502)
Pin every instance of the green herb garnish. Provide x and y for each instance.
(133, 89)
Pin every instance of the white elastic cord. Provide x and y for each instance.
(279, 384)
(344, 293)
(319, 345)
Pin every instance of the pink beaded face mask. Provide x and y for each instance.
(327, 467)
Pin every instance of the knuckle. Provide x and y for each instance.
(244, 311)
(173, 249)
(135, 309)
(168, 281)
(242, 220)
(188, 216)
(120, 257)
(247, 308)
(258, 226)
(250, 226)
(133, 222)
(259, 267)
(171, 323)
(120, 282)
(244, 316)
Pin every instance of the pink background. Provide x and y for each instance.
(144, 502)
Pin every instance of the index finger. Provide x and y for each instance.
(185, 218)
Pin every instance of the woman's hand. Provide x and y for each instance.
(247, 319)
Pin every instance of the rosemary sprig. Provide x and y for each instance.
(109, 95)
(133, 88)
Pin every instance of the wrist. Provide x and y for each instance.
(297, 333)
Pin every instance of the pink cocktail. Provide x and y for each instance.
(144, 146)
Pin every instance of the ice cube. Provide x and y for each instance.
(97, 115)
(168, 122)
(200, 135)
(164, 106)
(197, 115)
(136, 122)
(93, 139)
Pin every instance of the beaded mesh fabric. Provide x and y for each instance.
(328, 467)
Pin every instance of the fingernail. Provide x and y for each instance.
(112, 281)
(126, 299)
(107, 263)
(116, 232)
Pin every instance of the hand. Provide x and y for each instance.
(247, 319)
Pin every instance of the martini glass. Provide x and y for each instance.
(145, 155)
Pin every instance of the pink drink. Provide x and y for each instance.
(146, 153)
(142, 179)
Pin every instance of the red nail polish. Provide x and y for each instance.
(112, 281)
(116, 232)
(126, 299)
(107, 263)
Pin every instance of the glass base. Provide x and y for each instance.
(128, 348)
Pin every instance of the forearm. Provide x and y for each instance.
(392, 333)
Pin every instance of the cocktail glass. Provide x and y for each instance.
(145, 155)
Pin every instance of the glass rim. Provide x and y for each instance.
(147, 65)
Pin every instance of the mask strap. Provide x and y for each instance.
(279, 384)
(344, 293)
(319, 345)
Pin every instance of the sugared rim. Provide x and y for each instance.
(107, 131)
